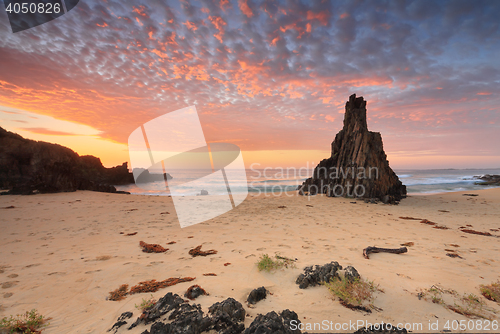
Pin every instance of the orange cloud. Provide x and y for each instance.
(219, 24)
(45, 131)
(224, 4)
(141, 11)
(329, 118)
(322, 17)
(190, 25)
(244, 8)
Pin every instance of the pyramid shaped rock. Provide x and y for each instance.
(358, 166)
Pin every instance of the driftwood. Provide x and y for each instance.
(198, 252)
(368, 250)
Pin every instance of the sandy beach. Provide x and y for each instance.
(63, 253)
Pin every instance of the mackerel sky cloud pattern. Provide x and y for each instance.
(267, 74)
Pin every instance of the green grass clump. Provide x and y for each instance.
(355, 292)
(146, 304)
(267, 263)
(491, 291)
(28, 323)
(470, 306)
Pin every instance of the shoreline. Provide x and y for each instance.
(294, 193)
(68, 254)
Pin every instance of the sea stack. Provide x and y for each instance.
(358, 165)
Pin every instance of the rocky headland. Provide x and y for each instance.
(29, 166)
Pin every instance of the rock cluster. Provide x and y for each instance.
(488, 180)
(358, 165)
(272, 323)
(173, 315)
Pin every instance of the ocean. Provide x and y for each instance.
(258, 181)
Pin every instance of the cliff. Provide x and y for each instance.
(28, 166)
(358, 165)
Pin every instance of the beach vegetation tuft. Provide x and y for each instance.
(353, 292)
(491, 291)
(468, 304)
(146, 304)
(30, 322)
(268, 263)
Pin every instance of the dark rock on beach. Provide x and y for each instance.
(381, 329)
(358, 165)
(272, 323)
(194, 292)
(257, 295)
(227, 316)
(120, 321)
(351, 274)
(29, 166)
(488, 180)
(144, 176)
(318, 275)
(231, 307)
(186, 319)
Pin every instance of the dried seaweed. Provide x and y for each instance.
(428, 222)
(410, 218)
(355, 307)
(130, 234)
(441, 227)
(454, 255)
(487, 234)
(146, 286)
(119, 293)
(408, 244)
(171, 243)
(152, 248)
(198, 252)
(227, 264)
(194, 291)
(210, 274)
(154, 285)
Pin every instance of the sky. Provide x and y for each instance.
(269, 76)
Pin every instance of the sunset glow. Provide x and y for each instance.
(270, 77)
